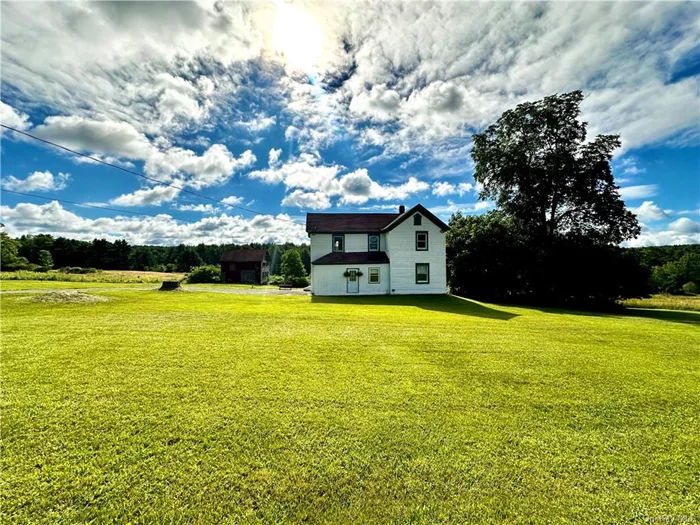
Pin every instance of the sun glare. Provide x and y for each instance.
(297, 36)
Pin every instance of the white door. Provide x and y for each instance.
(353, 280)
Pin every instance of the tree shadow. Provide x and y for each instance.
(674, 316)
(437, 303)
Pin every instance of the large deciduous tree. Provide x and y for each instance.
(535, 163)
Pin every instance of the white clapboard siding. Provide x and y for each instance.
(401, 243)
(329, 279)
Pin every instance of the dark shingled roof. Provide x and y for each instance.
(243, 256)
(365, 222)
(353, 258)
(347, 222)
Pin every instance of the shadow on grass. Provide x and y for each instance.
(438, 303)
(674, 316)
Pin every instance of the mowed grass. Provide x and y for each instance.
(220, 408)
(667, 302)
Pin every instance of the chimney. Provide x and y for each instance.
(402, 209)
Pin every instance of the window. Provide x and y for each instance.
(339, 243)
(422, 241)
(373, 243)
(422, 273)
(417, 220)
(373, 276)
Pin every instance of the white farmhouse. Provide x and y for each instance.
(377, 253)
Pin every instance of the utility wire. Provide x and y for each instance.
(163, 183)
(88, 205)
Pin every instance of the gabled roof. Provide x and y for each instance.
(365, 222)
(418, 208)
(347, 222)
(244, 256)
(353, 258)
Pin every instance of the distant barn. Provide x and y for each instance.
(245, 266)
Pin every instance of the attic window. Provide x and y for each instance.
(339, 243)
(417, 220)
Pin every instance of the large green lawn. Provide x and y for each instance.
(216, 408)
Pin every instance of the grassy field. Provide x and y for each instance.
(217, 408)
(101, 276)
(667, 302)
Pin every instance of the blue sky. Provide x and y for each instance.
(285, 108)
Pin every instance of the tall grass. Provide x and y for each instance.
(667, 302)
(106, 276)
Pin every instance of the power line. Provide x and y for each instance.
(88, 205)
(163, 183)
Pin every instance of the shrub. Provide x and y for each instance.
(77, 270)
(276, 280)
(205, 274)
(691, 288)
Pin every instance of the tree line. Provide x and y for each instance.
(29, 252)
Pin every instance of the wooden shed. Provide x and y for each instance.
(245, 266)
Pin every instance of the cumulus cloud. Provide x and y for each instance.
(232, 200)
(26, 218)
(314, 184)
(314, 200)
(37, 181)
(685, 225)
(9, 116)
(147, 197)
(201, 208)
(641, 191)
(214, 166)
(648, 211)
(442, 189)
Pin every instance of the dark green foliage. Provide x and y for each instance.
(535, 164)
(205, 274)
(553, 239)
(651, 256)
(119, 255)
(187, 258)
(691, 288)
(45, 260)
(293, 269)
(490, 260)
(671, 276)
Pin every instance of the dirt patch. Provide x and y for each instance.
(68, 297)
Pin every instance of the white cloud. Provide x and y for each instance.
(442, 189)
(466, 207)
(232, 200)
(9, 116)
(214, 166)
(147, 197)
(26, 218)
(314, 200)
(685, 225)
(629, 166)
(641, 191)
(315, 184)
(273, 158)
(201, 208)
(648, 211)
(38, 181)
